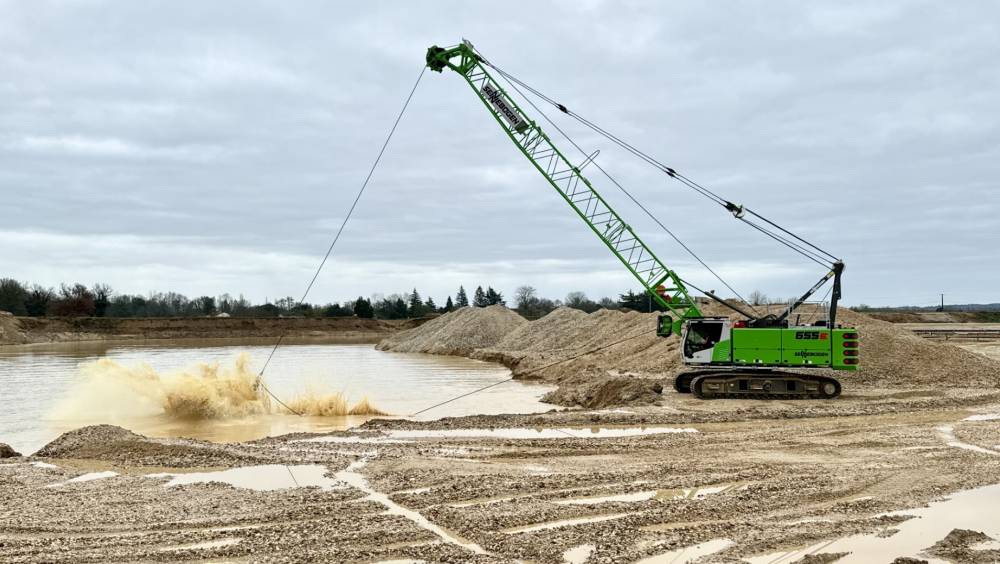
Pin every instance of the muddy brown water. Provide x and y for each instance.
(44, 393)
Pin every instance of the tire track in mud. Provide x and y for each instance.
(355, 479)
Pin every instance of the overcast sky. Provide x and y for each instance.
(210, 147)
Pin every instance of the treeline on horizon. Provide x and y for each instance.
(100, 300)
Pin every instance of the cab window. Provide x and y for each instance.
(701, 335)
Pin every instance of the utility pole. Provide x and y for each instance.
(942, 302)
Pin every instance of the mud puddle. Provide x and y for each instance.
(983, 417)
(947, 433)
(547, 433)
(206, 545)
(267, 477)
(565, 523)
(689, 553)
(661, 495)
(578, 554)
(88, 477)
(355, 479)
(976, 510)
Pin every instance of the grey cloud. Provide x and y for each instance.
(243, 129)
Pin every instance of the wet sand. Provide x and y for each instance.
(716, 480)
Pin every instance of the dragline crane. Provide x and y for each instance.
(759, 356)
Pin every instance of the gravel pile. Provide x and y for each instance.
(569, 343)
(458, 333)
(596, 343)
(121, 446)
(963, 545)
(72, 442)
(895, 356)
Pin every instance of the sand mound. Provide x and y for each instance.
(120, 446)
(457, 333)
(891, 355)
(596, 392)
(568, 343)
(10, 330)
(606, 340)
(87, 437)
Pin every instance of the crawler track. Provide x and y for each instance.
(756, 384)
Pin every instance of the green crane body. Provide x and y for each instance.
(709, 342)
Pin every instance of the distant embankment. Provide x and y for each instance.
(29, 330)
(936, 316)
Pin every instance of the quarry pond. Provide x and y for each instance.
(203, 389)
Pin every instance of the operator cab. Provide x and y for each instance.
(700, 337)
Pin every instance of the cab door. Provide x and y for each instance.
(700, 338)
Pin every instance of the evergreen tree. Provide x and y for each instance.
(479, 300)
(337, 310)
(461, 300)
(206, 305)
(639, 301)
(493, 297)
(416, 307)
(449, 305)
(13, 296)
(363, 308)
(430, 305)
(399, 309)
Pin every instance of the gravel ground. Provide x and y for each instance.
(779, 476)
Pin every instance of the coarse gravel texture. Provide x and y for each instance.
(961, 546)
(457, 333)
(781, 475)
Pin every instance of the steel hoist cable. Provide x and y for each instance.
(336, 238)
(592, 159)
(805, 248)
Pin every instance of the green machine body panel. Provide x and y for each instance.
(792, 347)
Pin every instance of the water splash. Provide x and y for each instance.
(110, 390)
(331, 405)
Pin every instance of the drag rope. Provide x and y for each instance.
(336, 238)
(574, 357)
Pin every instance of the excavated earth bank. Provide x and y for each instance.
(42, 330)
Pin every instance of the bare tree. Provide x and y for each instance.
(758, 298)
(579, 300)
(525, 297)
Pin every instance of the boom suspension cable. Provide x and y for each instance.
(622, 189)
(806, 248)
(336, 238)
